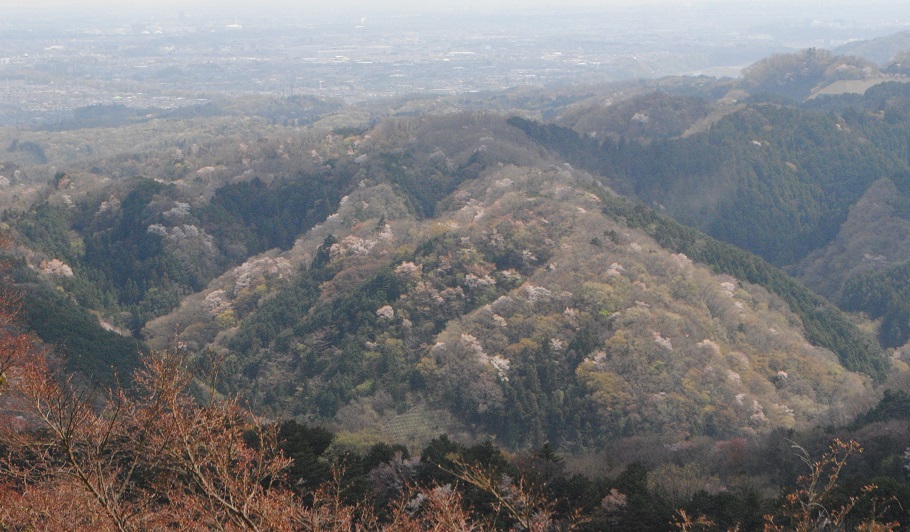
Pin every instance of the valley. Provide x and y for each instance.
(638, 298)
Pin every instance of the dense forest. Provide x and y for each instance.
(775, 181)
(171, 461)
(591, 309)
(152, 248)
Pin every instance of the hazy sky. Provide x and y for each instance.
(287, 4)
(312, 4)
(376, 5)
(75, 5)
(889, 11)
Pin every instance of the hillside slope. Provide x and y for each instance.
(522, 305)
(448, 273)
(775, 181)
(876, 235)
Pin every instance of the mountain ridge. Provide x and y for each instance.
(504, 241)
(455, 273)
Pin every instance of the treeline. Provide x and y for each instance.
(339, 350)
(326, 340)
(259, 217)
(138, 246)
(889, 94)
(96, 354)
(290, 111)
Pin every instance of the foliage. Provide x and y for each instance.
(154, 457)
(97, 354)
(893, 405)
(823, 323)
(651, 115)
(509, 322)
(150, 458)
(16, 346)
(143, 252)
(774, 181)
(809, 506)
(258, 217)
(796, 75)
(883, 294)
(478, 286)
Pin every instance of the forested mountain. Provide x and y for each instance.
(775, 179)
(325, 268)
(530, 281)
(598, 270)
(324, 263)
(874, 236)
(798, 76)
(139, 248)
(882, 50)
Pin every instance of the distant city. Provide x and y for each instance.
(49, 67)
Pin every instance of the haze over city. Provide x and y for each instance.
(837, 9)
(58, 56)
